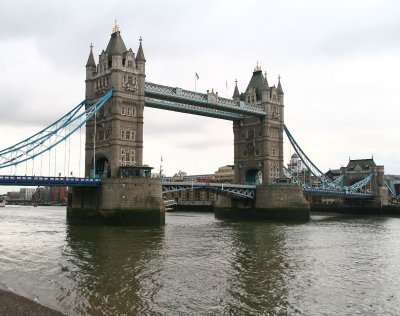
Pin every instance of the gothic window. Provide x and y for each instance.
(122, 157)
(129, 111)
(274, 151)
(129, 80)
(127, 135)
(133, 134)
(122, 135)
(127, 157)
(124, 78)
(123, 110)
(130, 63)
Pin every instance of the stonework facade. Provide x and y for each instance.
(258, 141)
(114, 138)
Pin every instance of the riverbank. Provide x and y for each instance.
(14, 305)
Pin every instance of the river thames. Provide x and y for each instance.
(198, 265)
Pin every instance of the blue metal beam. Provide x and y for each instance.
(48, 181)
(237, 190)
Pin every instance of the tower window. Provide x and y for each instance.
(129, 63)
(123, 110)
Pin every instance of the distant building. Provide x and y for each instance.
(295, 164)
(26, 193)
(334, 174)
(225, 174)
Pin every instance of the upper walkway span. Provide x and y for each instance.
(210, 104)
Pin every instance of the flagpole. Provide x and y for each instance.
(196, 77)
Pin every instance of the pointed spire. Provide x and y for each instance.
(236, 94)
(279, 88)
(140, 54)
(257, 67)
(266, 86)
(116, 45)
(91, 62)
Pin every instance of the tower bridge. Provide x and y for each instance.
(117, 183)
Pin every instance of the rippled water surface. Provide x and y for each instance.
(198, 265)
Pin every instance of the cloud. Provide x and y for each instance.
(338, 60)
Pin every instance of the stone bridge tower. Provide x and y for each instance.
(114, 143)
(117, 139)
(258, 142)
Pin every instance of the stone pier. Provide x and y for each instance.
(136, 201)
(278, 201)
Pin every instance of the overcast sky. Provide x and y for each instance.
(339, 62)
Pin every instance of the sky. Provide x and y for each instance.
(339, 63)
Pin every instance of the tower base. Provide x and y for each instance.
(273, 202)
(128, 201)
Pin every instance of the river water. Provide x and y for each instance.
(198, 265)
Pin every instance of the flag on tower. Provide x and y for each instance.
(197, 76)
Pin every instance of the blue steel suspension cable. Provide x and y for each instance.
(71, 113)
(36, 144)
(317, 173)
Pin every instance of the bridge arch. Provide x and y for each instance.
(254, 177)
(103, 167)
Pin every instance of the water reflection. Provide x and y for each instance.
(260, 270)
(107, 265)
(197, 265)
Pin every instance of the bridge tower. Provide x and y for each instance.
(258, 156)
(117, 139)
(258, 142)
(114, 143)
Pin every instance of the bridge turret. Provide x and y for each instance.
(90, 73)
(280, 90)
(265, 90)
(236, 94)
(140, 59)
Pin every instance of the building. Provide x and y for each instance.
(358, 169)
(26, 193)
(115, 135)
(295, 164)
(258, 141)
(225, 174)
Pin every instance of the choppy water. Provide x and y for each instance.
(197, 265)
